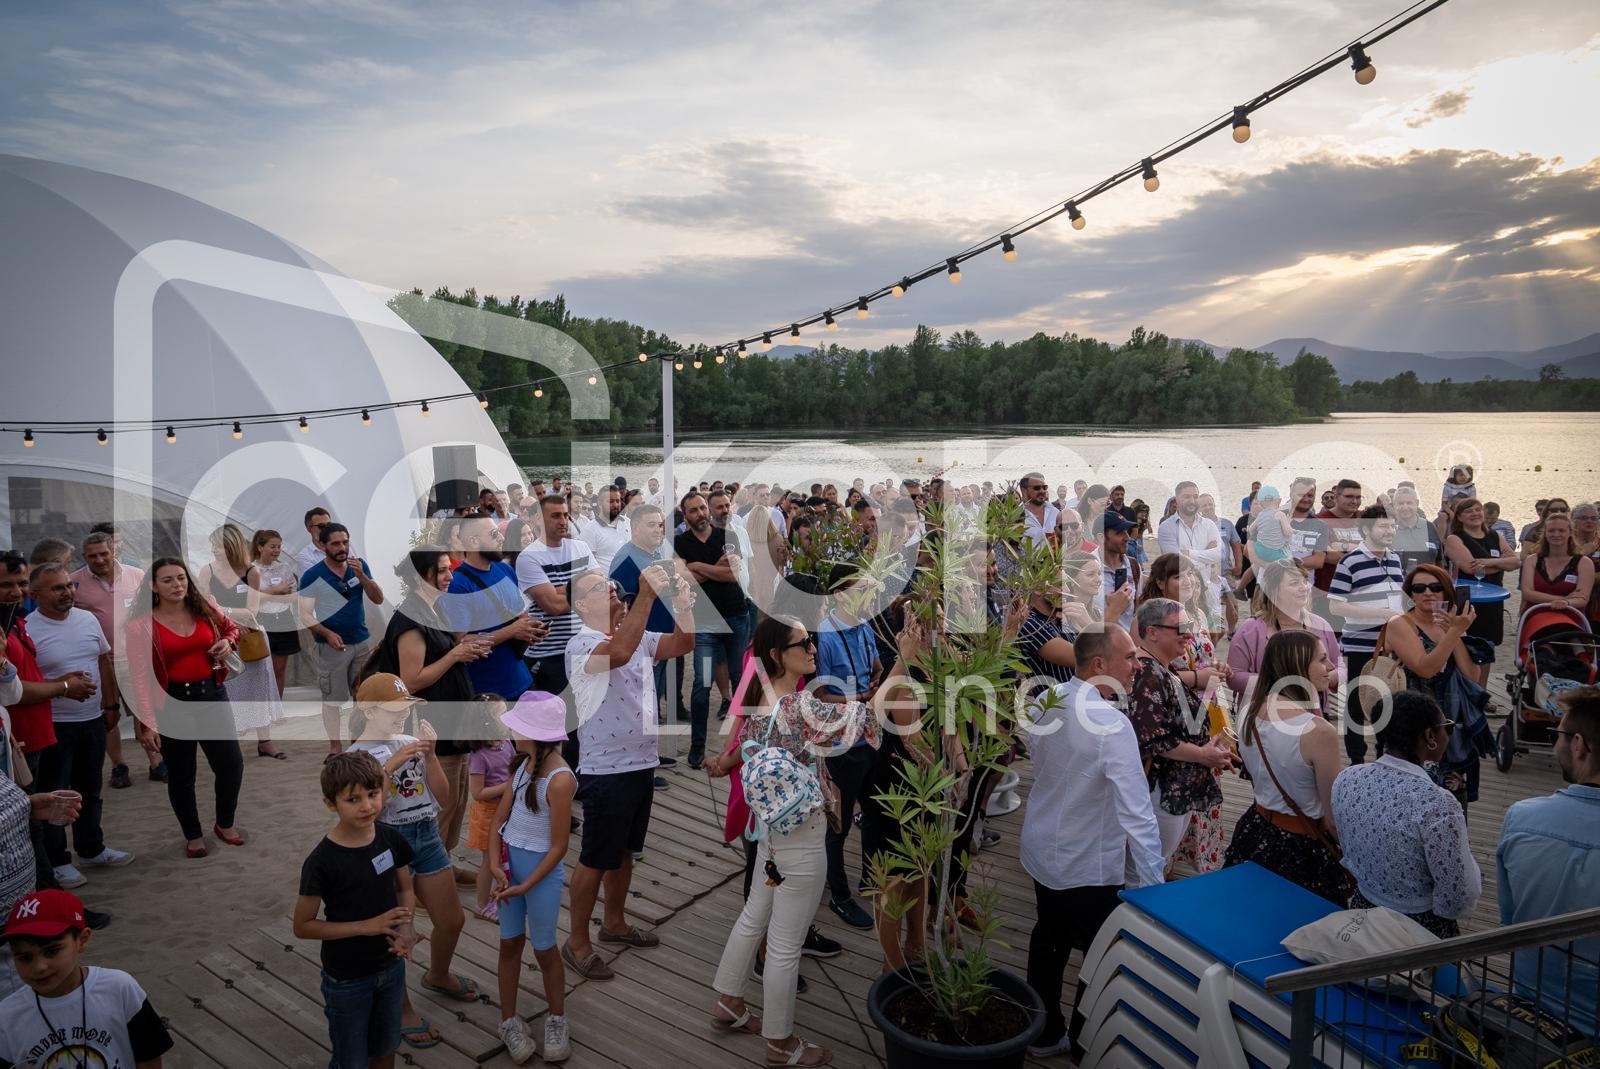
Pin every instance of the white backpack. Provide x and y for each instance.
(781, 792)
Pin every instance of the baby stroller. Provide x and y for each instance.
(1555, 653)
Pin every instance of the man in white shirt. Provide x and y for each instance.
(1088, 824)
(69, 639)
(608, 530)
(1078, 488)
(1189, 533)
(1038, 515)
(312, 553)
(609, 662)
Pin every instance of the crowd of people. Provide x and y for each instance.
(546, 634)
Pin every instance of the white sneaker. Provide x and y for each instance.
(515, 1036)
(107, 858)
(69, 877)
(556, 1047)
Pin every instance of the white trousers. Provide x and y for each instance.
(783, 914)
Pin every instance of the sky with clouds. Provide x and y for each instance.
(710, 169)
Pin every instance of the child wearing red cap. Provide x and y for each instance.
(70, 1013)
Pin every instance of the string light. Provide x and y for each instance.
(1078, 221)
(1363, 67)
(678, 365)
(861, 309)
(827, 319)
(238, 431)
(305, 428)
(721, 357)
(643, 357)
(593, 379)
(101, 436)
(27, 438)
(954, 271)
(538, 391)
(766, 341)
(901, 286)
(698, 363)
(483, 400)
(794, 333)
(1008, 251)
(1151, 182)
(1241, 124)
(744, 353)
(366, 417)
(172, 436)
(426, 411)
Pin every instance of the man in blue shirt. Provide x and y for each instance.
(848, 670)
(647, 534)
(1549, 864)
(485, 600)
(333, 597)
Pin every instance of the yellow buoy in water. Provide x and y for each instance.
(1538, 467)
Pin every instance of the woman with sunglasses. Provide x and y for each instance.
(1427, 640)
(1404, 837)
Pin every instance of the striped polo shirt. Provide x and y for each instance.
(1363, 579)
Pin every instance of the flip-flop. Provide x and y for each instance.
(465, 990)
(408, 1035)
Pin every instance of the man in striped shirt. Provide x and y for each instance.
(1365, 591)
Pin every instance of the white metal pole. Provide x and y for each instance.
(669, 492)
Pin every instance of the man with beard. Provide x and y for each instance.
(333, 596)
(1549, 863)
(1189, 534)
(607, 531)
(1118, 570)
(1038, 515)
(723, 629)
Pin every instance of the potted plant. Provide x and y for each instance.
(955, 1007)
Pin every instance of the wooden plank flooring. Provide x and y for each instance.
(254, 1000)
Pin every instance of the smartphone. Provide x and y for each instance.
(1119, 579)
(1463, 599)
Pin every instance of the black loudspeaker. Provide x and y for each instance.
(455, 476)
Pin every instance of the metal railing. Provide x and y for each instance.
(1523, 995)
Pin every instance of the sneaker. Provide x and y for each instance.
(158, 774)
(107, 858)
(851, 913)
(120, 777)
(69, 877)
(659, 783)
(638, 855)
(667, 762)
(800, 984)
(556, 1044)
(1063, 1045)
(515, 1036)
(818, 945)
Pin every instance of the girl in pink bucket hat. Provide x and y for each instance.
(527, 842)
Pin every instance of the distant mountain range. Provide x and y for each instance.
(1577, 360)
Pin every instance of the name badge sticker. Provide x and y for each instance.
(276, 580)
(1494, 553)
(127, 603)
(240, 589)
(353, 582)
(383, 862)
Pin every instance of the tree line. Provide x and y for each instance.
(1147, 381)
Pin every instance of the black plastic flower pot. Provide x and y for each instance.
(903, 1050)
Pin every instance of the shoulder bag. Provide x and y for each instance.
(780, 791)
(1326, 841)
(1384, 669)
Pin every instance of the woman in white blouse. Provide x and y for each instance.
(1404, 836)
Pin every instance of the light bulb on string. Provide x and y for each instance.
(766, 341)
(677, 365)
(698, 363)
(643, 357)
(538, 391)
(27, 438)
(238, 430)
(721, 356)
(1075, 216)
(827, 319)
(794, 333)
(1151, 182)
(172, 436)
(426, 411)
(593, 380)
(953, 269)
(1241, 124)
(901, 286)
(861, 308)
(1365, 71)
(483, 400)
(305, 428)
(744, 354)
(101, 436)
(366, 418)
(1008, 251)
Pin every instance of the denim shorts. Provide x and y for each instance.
(364, 1015)
(537, 911)
(428, 853)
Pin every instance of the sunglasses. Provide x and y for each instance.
(1425, 588)
(1446, 726)
(808, 643)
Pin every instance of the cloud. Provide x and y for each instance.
(1441, 106)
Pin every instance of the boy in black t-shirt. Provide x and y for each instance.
(358, 875)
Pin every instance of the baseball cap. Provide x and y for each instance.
(386, 691)
(45, 915)
(538, 716)
(1110, 521)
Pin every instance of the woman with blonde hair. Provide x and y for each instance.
(233, 584)
(1282, 602)
(1556, 573)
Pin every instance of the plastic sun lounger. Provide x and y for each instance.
(1131, 1029)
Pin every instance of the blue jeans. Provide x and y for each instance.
(708, 646)
(428, 853)
(363, 1015)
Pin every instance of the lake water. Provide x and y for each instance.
(1378, 449)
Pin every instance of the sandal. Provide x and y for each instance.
(421, 1036)
(735, 1022)
(276, 755)
(465, 990)
(803, 1053)
(489, 911)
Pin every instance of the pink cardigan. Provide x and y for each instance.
(1249, 645)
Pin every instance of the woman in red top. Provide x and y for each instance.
(176, 642)
(1555, 574)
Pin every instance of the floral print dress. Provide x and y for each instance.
(1203, 845)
